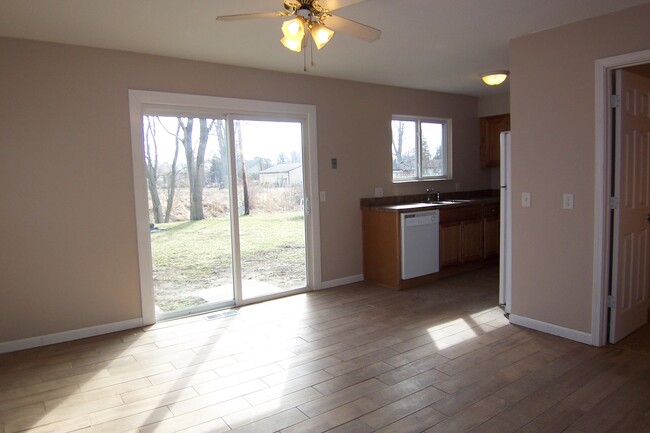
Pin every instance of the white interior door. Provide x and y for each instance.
(631, 242)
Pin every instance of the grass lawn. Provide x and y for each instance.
(194, 255)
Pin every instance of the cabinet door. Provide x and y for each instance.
(491, 237)
(450, 237)
(472, 241)
(491, 128)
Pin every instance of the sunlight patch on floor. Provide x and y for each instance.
(467, 328)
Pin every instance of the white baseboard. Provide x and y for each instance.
(75, 334)
(341, 281)
(549, 328)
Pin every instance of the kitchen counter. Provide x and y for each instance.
(419, 202)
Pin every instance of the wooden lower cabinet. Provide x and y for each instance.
(472, 241)
(450, 241)
(461, 242)
(381, 248)
(491, 237)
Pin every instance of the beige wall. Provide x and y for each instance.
(67, 235)
(553, 131)
(493, 105)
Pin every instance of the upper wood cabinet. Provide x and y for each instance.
(491, 128)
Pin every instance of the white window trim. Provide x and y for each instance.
(447, 157)
(141, 101)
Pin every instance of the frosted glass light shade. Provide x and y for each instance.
(291, 43)
(294, 32)
(495, 78)
(294, 28)
(321, 35)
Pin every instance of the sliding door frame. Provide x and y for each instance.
(148, 102)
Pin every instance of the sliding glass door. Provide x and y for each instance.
(187, 169)
(228, 213)
(270, 193)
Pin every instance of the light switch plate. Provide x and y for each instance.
(525, 199)
(322, 196)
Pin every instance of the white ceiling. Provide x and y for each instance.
(439, 45)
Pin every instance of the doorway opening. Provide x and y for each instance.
(226, 216)
(608, 258)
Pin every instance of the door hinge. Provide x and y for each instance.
(615, 101)
(611, 301)
(613, 203)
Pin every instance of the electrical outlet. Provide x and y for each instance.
(525, 199)
(567, 201)
(379, 192)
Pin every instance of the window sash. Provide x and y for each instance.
(428, 166)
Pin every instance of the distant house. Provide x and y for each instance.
(282, 175)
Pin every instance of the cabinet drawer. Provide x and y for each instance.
(490, 210)
(451, 214)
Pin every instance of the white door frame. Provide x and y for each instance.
(141, 100)
(603, 172)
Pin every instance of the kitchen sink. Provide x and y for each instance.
(443, 202)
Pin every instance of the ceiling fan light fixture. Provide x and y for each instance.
(495, 78)
(321, 35)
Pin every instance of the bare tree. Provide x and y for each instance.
(151, 161)
(195, 159)
(220, 128)
(242, 167)
(172, 176)
(397, 146)
(171, 184)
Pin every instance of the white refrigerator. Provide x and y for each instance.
(505, 229)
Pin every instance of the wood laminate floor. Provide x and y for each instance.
(359, 358)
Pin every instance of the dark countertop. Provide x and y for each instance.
(402, 204)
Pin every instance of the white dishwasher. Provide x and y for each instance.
(420, 243)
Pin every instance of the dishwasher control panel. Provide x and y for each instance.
(421, 218)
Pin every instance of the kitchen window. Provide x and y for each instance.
(421, 148)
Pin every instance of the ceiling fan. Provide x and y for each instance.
(312, 18)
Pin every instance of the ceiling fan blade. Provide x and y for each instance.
(332, 5)
(352, 28)
(261, 15)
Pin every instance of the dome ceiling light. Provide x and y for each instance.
(495, 78)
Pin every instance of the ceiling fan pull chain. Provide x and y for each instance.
(304, 60)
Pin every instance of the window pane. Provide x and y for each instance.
(404, 149)
(433, 160)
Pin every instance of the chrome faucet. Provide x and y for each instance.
(430, 195)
